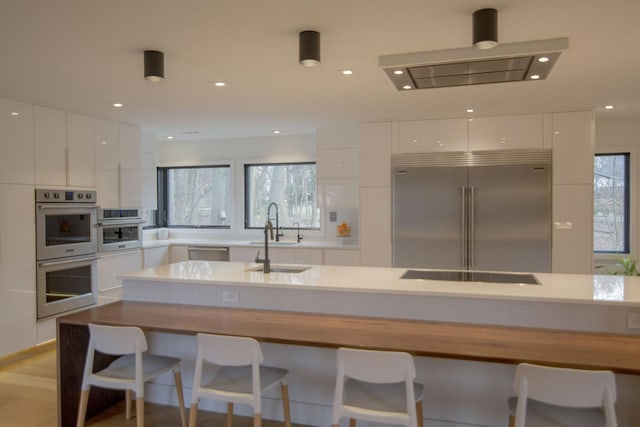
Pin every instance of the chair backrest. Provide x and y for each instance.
(574, 388)
(229, 350)
(376, 366)
(117, 340)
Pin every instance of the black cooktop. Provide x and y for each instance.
(471, 276)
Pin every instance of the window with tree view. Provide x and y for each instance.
(611, 203)
(195, 196)
(292, 186)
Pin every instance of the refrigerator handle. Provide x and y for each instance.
(464, 226)
(472, 220)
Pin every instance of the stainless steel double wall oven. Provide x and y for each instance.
(66, 247)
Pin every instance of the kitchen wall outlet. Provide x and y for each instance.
(230, 296)
(633, 320)
(333, 216)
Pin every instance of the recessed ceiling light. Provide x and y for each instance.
(543, 59)
(608, 107)
(15, 113)
(276, 131)
(104, 142)
(398, 72)
(470, 110)
(406, 87)
(347, 72)
(534, 77)
(220, 84)
(169, 137)
(118, 105)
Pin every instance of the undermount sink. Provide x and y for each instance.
(281, 269)
(274, 243)
(472, 276)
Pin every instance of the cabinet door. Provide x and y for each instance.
(149, 182)
(308, 256)
(178, 253)
(341, 257)
(130, 166)
(432, 136)
(110, 266)
(153, 257)
(375, 226)
(506, 132)
(16, 142)
(81, 153)
(573, 148)
(17, 268)
(375, 155)
(238, 254)
(50, 132)
(107, 158)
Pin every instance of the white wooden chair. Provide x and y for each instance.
(128, 372)
(239, 377)
(377, 386)
(559, 397)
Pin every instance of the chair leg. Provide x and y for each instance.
(285, 404)
(178, 379)
(193, 414)
(229, 414)
(139, 411)
(419, 413)
(127, 410)
(512, 420)
(257, 420)
(82, 408)
(352, 422)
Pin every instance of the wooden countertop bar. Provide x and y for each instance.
(620, 353)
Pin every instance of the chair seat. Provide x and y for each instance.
(545, 415)
(124, 367)
(237, 379)
(379, 397)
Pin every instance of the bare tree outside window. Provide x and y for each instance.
(291, 186)
(198, 196)
(611, 203)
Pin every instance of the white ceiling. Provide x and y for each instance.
(83, 55)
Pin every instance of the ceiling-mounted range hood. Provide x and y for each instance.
(510, 62)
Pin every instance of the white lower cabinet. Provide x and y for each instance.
(110, 266)
(178, 253)
(341, 257)
(17, 268)
(308, 256)
(153, 257)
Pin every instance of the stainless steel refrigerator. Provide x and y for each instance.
(484, 211)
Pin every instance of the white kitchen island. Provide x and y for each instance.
(466, 337)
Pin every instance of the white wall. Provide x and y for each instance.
(622, 135)
(237, 153)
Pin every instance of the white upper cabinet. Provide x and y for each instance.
(375, 155)
(506, 132)
(16, 142)
(81, 153)
(573, 147)
(431, 135)
(117, 164)
(50, 131)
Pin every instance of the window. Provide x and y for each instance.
(292, 186)
(194, 196)
(611, 203)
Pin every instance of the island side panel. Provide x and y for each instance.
(72, 344)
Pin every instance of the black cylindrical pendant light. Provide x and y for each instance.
(309, 48)
(485, 28)
(153, 65)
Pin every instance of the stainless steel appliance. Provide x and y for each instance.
(473, 210)
(119, 229)
(208, 253)
(65, 250)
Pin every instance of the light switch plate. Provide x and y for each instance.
(633, 320)
(333, 216)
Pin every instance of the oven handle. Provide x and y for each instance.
(66, 206)
(67, 261)
(121, 223)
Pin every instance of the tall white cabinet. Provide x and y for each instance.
(16, 142)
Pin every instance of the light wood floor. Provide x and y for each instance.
(28, 399)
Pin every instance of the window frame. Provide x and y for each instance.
(247, 192)
(162, 216)
(629, 180)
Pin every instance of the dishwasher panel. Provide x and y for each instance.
(208, 253)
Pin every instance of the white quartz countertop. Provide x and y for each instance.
(579, 288)
(257, 243)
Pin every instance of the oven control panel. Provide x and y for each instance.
(65, 196)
